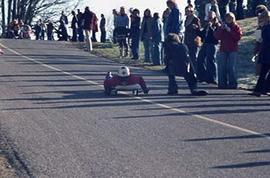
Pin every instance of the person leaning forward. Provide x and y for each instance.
(178, 63)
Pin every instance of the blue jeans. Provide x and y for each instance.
(207, 69)
(147, 43)
(227, 74)
(156, 53)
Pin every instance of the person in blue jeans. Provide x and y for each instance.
(229, 35)
(178, 63)
(157, 37)
(146, 35)
(206, 69)
(135, 33)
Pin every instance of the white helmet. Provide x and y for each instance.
(124, 71)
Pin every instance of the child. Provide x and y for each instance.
(124, 77)
(178, 63)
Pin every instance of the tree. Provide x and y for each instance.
(3, 16)
(27, 10)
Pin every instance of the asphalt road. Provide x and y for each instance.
(59, 123)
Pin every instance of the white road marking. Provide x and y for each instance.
(145, 100)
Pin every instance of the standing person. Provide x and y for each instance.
(223, 8)
(115, 15)
(50, 28)
(26, 31)
(178, 64)
(80, 25)
(74, 26)
(165, 17)
(37, 29)
(263, 83)
(192, 30)
(94, 27)
(135, 33)
(174, 22)
(212, 5)
(146, 35)
(229, 35)
(207, 70)
(200, 8)
(102, 27)
(122, 24)
(87, 26)
(63, 26)
(43, 30)
(64, 18)
(157, 38)
(233, 6)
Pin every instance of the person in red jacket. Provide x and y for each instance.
(229, 35)
(123, 77)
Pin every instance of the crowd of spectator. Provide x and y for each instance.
(200, 36)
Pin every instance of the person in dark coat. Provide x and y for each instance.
(37, 29)
(102, 27)
(192, 31)
(174, 21)
(223, 8)
(80, 26)
(263, 83)
(178, 64)
(63, 26)
(74, 26)
(207, 69)
(50, 28)
(157, 38)
(135, 33)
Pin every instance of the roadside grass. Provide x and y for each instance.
(5, 169)
(245, 67)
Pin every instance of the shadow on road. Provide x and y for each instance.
(243, 165)
(258, 151)
(227, 138)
